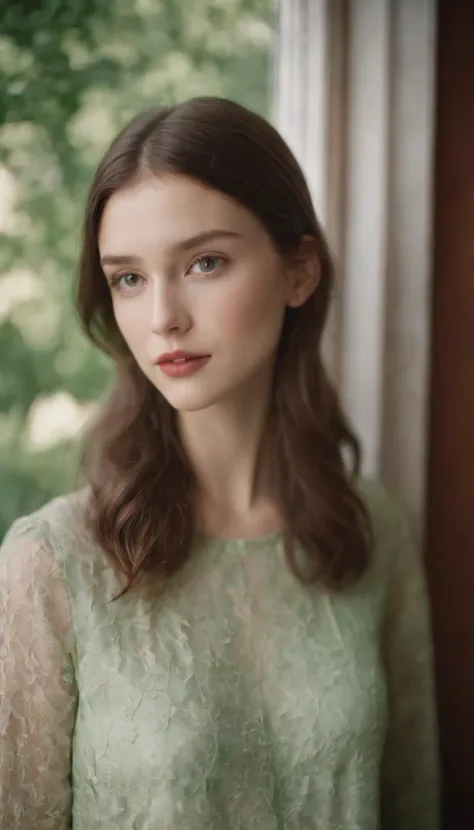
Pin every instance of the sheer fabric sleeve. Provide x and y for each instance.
(410, 772)
(37, 687)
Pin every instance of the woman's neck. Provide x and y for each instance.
(230, 450)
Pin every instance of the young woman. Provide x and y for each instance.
(226, 627)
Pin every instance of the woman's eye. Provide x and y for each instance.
(124, 281)
(206, 264)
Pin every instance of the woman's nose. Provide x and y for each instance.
(169, 311)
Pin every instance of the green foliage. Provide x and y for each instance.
(71, 75)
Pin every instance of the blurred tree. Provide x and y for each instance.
(71, 75)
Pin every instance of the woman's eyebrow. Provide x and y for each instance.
(182, 245)
(206, 236)
(120, 259)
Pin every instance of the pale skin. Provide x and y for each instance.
(195, 270)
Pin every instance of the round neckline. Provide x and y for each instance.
(266, 538)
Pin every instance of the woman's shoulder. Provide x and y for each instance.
(34, 558)
(54, 543)
(384, 509)
(392, 530)
(58, 526)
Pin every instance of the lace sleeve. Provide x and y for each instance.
(37, 687)
(410, 778)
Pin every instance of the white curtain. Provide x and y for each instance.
(354, 98)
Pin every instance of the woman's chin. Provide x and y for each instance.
(190, 400)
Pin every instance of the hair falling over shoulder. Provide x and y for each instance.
(141, 485)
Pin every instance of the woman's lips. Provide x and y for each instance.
(183, 367)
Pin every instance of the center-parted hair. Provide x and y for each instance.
(141, 484)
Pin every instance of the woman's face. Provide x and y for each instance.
(190, 269)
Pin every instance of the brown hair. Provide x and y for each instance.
(141, 483)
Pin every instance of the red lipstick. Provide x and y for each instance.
(181, 364)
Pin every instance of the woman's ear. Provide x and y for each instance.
(304, 272)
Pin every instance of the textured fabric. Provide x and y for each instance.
(241, 699)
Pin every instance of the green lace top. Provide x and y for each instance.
(240, 700)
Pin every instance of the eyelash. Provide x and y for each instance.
(114, 281)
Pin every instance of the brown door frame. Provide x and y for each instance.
(450, 515)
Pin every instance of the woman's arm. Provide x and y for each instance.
(410, 775)
(37, 686)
